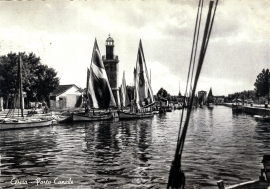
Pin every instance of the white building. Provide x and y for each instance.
(66, 96)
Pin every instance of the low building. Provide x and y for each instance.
(66, 96)
(219, 99)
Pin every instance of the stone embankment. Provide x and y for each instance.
(254, 109)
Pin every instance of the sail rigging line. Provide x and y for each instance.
(176, 164)
(202, 55)
(189, 67)
(188, 77)
(197, 39)
(176, 172)
(147, 76)
(212, 21)
(193, 43)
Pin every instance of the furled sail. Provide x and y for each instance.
(98, 85)
(210, 98)
(123, 93)
(143, 89)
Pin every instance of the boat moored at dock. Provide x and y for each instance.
(142, 104)
(11, 122)
(24, 123)
(261, 183)
(98, 91)
(84, 117)
(262, 118)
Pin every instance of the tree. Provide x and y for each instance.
(38, 79)
(262, 84)
(162, 94)
(8, 77)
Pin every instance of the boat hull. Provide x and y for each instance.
(169, 109)
(262, 118)
(236, 108)
(125, 115)
(21, 125)
(155, 112)
(210, 105)
(80, 117)
(246, 185)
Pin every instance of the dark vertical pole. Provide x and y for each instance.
(20, 84)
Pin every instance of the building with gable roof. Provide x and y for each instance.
(66, 96)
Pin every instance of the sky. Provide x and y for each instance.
(62, 34)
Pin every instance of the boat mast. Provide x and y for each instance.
(150, 75)
(20, 84)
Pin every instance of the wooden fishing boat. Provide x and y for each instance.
(85, 117)
(141, 105)
(130, 115)
(262, 118)
(63, 119)
(155, 112)
(24, 123)
(168, 109)
(11, 122)
(261, 183)
(98, 91)
(236, 108)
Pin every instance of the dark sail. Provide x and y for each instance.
(210, 98)
(99, 87)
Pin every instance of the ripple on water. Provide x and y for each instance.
(138, 153)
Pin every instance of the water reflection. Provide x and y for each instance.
(138, 153)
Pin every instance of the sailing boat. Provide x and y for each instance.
(141, 105)
(123, 94)
(98, 91)
(210, 99)
(22, 122)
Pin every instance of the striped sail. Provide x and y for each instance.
(143, 89)
(98, 85)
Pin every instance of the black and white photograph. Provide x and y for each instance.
(135, 94)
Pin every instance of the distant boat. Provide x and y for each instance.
(168, 109)
(236, 108)
(124, 99)
(22, 122)
(200, 101)
(98, 91)
(210, 99)
(141, 105)
(262, 118)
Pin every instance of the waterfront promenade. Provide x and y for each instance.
(257, 109)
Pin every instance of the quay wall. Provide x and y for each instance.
(227, 105)
(257, 110)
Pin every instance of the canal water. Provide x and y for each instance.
(135, 153)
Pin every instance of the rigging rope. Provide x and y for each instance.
(176, 173)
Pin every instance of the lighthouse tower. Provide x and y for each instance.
(112, 68)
